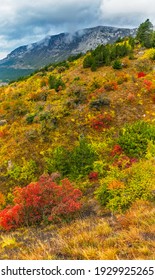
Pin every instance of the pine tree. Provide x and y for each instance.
(145, 33)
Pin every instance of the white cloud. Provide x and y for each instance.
(131, 12)
(124, 7)
(27, 21)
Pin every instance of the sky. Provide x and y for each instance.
(24, 22)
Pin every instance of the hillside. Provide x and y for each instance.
(25, 59)
(97, 129)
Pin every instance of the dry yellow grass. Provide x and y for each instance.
(95, 237)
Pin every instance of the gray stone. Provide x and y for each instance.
(3, 122)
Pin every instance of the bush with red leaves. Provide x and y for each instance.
(41, 200)
(141, 74)
(93, 176)
(148, 85)
(124, 161)
(117, 150)
(101, 121)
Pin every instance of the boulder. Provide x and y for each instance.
(3, 122)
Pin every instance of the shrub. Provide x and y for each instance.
(148, 85)
(120, 189)
(43, 200)
(56, 83)
(82, 158)
(59, 85)
(100, 103)
(3, 132)
(44, 116)
(117, 64)
(124, 161)
(110, 86)
(117, 150)
(18, 108)
(30, 118)
(141, 74)
(133, 138)
(88, 61)
(121, 78)
(10, 217)
(143, 65)
(58, 160)
(75, 163)
(2, 200)
(52, 81)
(130, 97)
(93, 176)
(101, 121)
(39, 95)
(24, 173)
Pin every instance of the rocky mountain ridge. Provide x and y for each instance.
(58, 47)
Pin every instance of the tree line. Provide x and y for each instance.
(104, 55)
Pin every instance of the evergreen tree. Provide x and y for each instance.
(145, 33)
(153, 39)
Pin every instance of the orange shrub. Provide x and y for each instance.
(2, 200)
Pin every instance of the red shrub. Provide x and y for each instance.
(101, 121)
(117, 150)
(148, 84)
(44, 199)
(124, 161)
(141, 74)
(11, 217)
(2, 200)
(93, 176)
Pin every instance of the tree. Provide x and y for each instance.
(145, 33)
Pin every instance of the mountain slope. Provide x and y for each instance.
(59, 47)
(66, 122)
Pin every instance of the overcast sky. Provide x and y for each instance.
(27, 21)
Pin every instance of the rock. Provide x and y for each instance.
(3, 122)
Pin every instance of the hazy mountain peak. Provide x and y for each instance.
(58, 47)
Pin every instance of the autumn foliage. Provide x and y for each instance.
(117, 150)
(41, 200)
(141, 74)
(93, 176)
(101, 121)
(2, 200)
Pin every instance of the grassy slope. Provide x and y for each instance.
(95, 233)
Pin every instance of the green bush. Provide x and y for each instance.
(55, 83)
(75, 163)
(58, 160)
(120, 189)
(30, 118)
(52, 81)
(133, 138)
(82, 159)
(117, 64)
(24, 173)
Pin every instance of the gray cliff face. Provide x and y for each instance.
(59, 47)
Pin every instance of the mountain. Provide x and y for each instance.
(57, 48)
